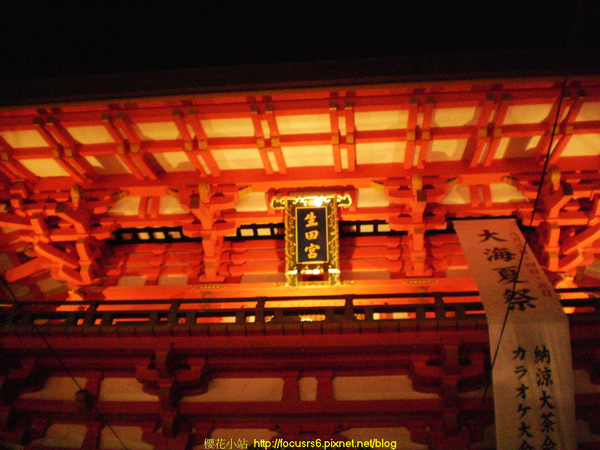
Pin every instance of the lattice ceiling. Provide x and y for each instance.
(413, 156)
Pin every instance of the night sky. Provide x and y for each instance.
(58, 38)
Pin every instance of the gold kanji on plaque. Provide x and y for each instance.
(312, 235)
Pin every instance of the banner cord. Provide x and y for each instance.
(17, 302)
(527, 238)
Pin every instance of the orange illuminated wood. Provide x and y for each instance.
(122, 147)
(53, 212)
(411, 133)
(135, 145)
(275, 140)
(24, 270)
(12, 168)
(202, 139)
(70, 148)
(335, 136)
(425, 134)
(260, 139)
(496, 129)
(260, 289)
(57, 151)
(189, 145)
(350, 134)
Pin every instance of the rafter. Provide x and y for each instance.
(425, 135)
(12, 168)
(411, 136)
(135, 145)
(70, 148)
(190, 146)
(566, 129)
(542, 148)
(334, 123)
(275, 142)
(260, 139)
(24, 270)
(203, 146)
(236, 110)
(122, 147)
(486, 110)
(58, 153)
(580, 240)
(496, 129)
(350, 133)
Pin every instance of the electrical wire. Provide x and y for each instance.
(16, 302)
(527, 239)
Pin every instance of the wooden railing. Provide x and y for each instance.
(419, 307)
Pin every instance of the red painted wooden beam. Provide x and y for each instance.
(350, 134)
(425, 135)
(202, 138)
(294, 105)
(497, 130)
(11, 167)
(411, 137)
(335, 135)
(57, 152)
(260, 139)
(275, 141)
(24, 270)
(56, 255)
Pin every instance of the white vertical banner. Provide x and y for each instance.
(534, 398)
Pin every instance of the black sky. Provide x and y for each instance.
(58, 38)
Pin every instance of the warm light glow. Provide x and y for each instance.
(318, 201)
(312, 271)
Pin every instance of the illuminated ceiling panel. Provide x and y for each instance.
(318, 155)
(502, 193)
(447, 150)
(127, 206)
(238, 159)
(583, 145)
(310, 123)
(380, 152)
(158, 130)
(23, 138)
(228, 127)
(518, 147)
(454, 117)
(107, 164)
(589, 111)
(527, 113)
(254, 201)
(46, 167)
(369, 198)
(174, 161)
(457, 195)
(381, 120)
(170, 205)
(95, 134)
